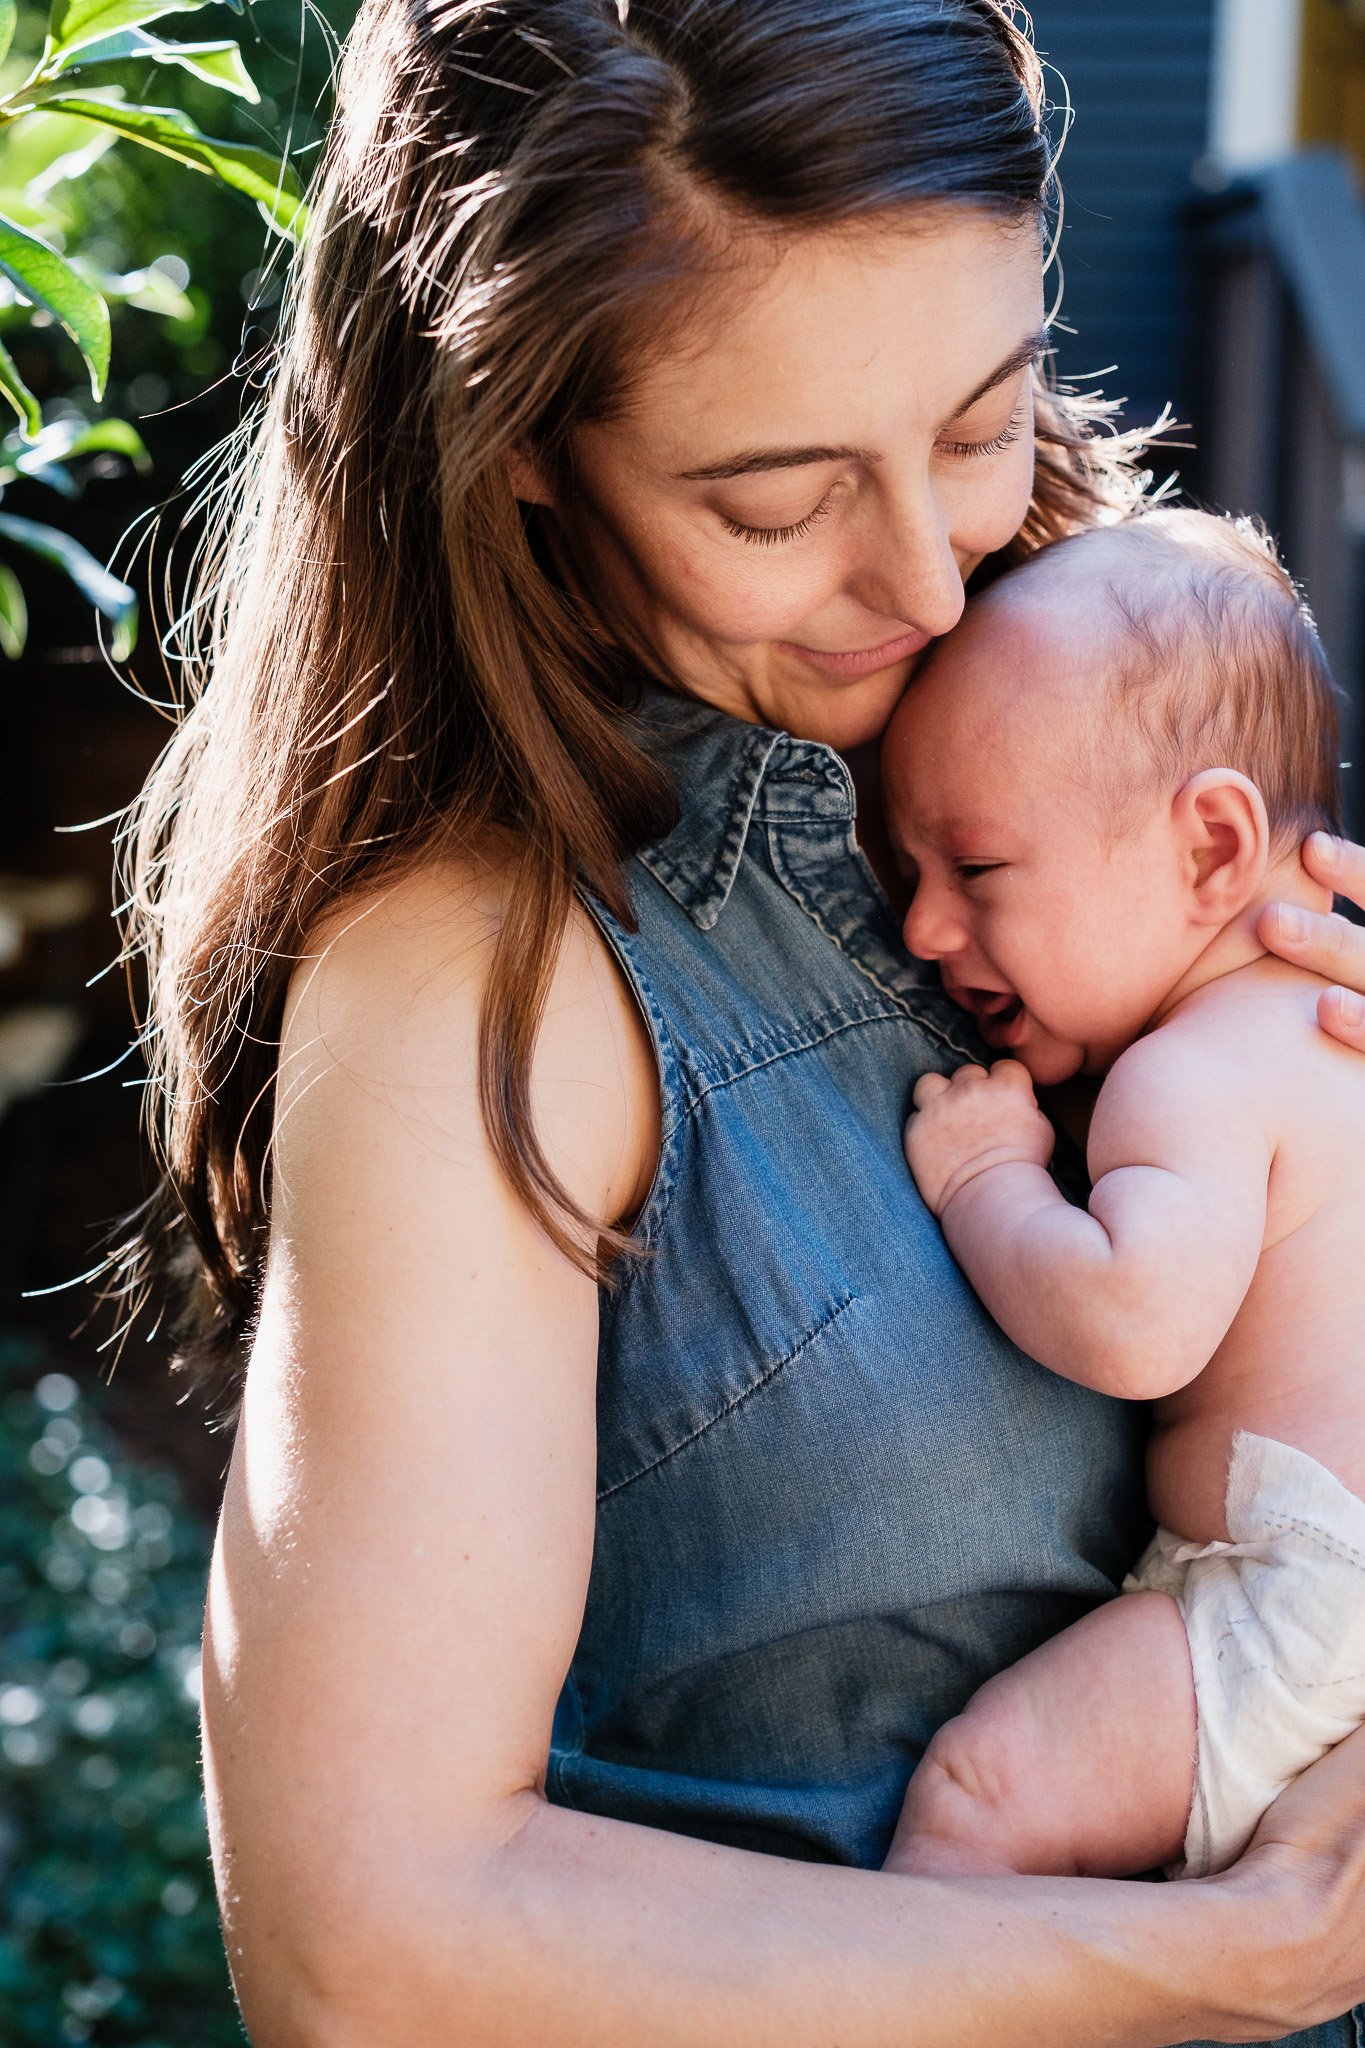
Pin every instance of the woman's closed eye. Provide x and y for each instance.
(1008, 435)
(972, 870)
(772, 536)
(963, 450)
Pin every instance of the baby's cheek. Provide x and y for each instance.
(1050, 1059)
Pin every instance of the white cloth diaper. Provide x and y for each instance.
(1276, 1622)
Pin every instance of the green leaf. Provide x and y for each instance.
(13, 613)
(46, 277)
(118, 601)
(274, 185)
(31, 212)
(73, 23)
(63, 440)
(219, 64)
(150, 290)
(55, 477)
(13, 387)
(9, 15)
(42, 149)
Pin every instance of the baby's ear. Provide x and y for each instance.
(1224, 838)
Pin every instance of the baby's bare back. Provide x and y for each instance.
(1292, 1365)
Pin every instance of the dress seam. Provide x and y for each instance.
(837, 1305)
(787, 1052)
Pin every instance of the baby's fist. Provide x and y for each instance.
(969, 1122)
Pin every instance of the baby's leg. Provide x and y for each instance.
(1079, 1760)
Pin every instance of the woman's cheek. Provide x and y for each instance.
(1018, 493)
(724, 594)
(994, 505)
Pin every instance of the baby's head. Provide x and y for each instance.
(1098, 770)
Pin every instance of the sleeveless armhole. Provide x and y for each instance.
(650, 1215)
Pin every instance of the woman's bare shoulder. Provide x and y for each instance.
(387, 950)
(384, 1004)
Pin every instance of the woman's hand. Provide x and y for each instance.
(1329, 945)
(1305, 1872)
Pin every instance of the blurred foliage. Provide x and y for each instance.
(134, 210)
(108, 1926)
(96, 234)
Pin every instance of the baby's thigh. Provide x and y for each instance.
(1087, 1745)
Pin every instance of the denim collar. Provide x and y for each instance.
(724, 772)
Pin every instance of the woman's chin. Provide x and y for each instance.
(844, 715)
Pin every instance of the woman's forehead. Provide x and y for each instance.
(843, 338)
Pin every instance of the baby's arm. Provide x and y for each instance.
(1134, 1295)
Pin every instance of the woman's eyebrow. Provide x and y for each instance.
(1035, 345)
(754, 460)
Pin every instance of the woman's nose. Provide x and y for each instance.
(909, 569)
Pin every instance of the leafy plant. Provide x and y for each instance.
(56, 122)
(108, 1928)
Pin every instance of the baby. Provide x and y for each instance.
(1096, 782)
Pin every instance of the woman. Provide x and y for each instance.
(626, 1482)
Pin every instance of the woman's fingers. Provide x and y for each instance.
(1337, 863)
(1342, 1012)
(1322, 1814)
(1307, 1860)
(1328, 945)
(1325, 943)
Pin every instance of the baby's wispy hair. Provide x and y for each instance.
(1236, 677)
(1216, 663)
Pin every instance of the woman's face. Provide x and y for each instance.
(788, 509)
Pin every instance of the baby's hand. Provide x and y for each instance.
(973, 1121)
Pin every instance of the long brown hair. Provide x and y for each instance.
(384, 662)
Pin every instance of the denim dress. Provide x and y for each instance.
(832, 1496)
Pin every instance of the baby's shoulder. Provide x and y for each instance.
(1182, 1086)
(1253, 1041)
(1263, 1019)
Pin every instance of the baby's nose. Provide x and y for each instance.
(931, 931)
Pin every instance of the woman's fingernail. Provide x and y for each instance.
(1290, 922)
(1350, 1006)
(1324, 849)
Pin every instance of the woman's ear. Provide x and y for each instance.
(529, 483)
(1224, 838)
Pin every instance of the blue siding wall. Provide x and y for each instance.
(1139, 77)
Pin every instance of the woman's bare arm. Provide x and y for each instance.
(397, 1589)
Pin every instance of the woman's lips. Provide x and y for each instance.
(862, 661)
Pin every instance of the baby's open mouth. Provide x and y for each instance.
(1000, 1016)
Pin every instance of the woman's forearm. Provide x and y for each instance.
(582, 1931)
